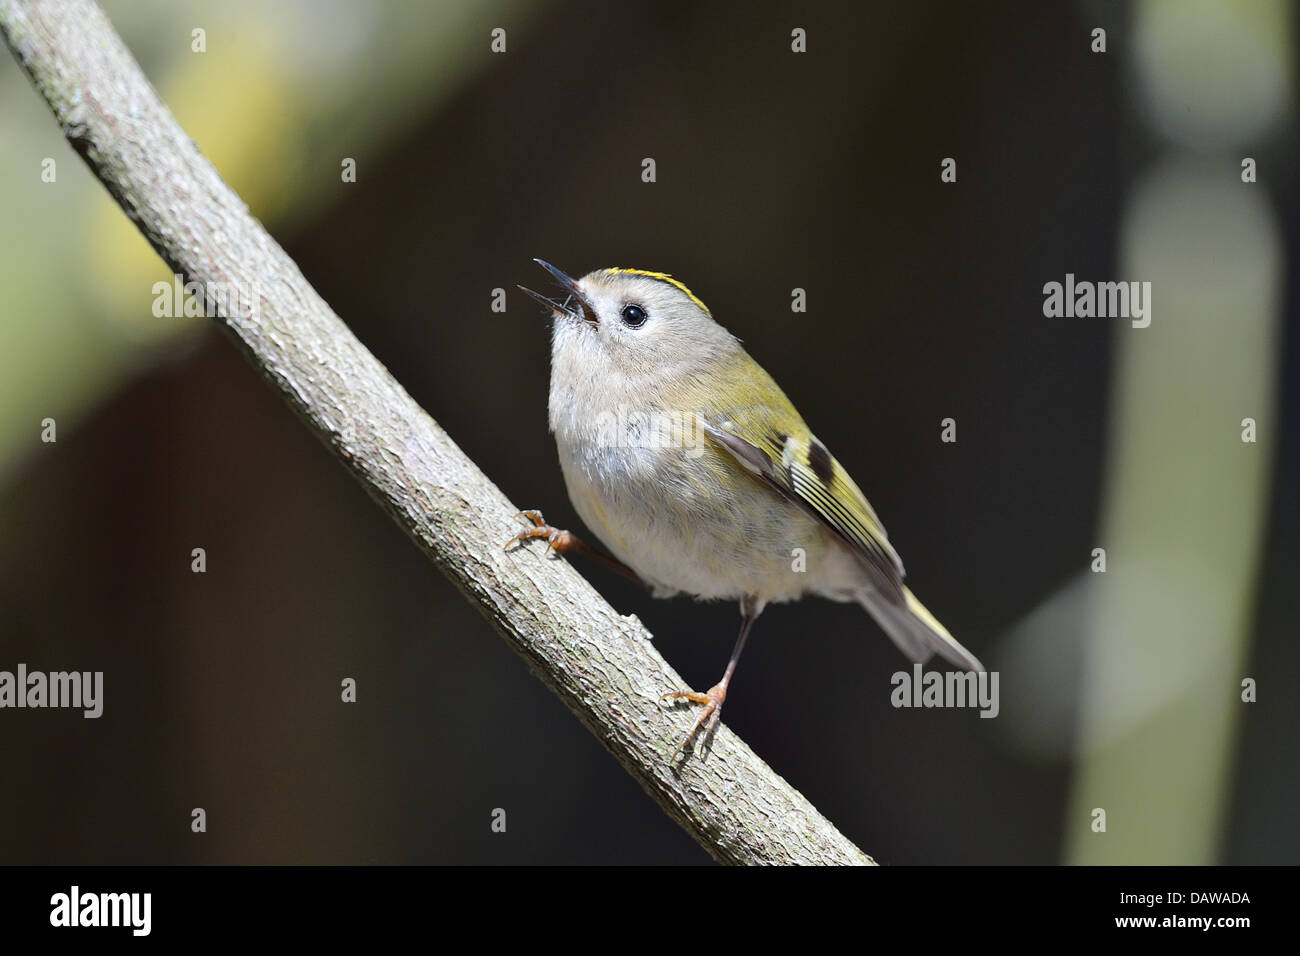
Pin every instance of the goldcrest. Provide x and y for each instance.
(692, 467)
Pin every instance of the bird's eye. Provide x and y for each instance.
(633, 316)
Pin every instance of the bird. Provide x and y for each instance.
(698, 475)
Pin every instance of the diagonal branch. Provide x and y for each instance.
(602, 665)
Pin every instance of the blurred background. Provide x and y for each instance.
(775, 170)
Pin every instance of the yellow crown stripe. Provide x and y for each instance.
(662, 277)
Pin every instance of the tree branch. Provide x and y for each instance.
(602, 665)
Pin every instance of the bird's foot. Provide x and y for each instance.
(710, 712)
(557, 540)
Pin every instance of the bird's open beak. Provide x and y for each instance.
(584, 308)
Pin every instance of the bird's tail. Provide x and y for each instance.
(916, 631)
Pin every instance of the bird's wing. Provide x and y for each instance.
(802, 470)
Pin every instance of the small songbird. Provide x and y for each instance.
(692, 467)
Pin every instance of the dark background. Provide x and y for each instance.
(774, 171)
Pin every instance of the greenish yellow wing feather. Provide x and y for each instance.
(774, 444)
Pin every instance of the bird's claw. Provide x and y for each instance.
(556, 539)
(710, 713)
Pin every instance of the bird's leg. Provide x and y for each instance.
(566, 542)
(711, 711)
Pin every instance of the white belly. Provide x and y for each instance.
(669, 517)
